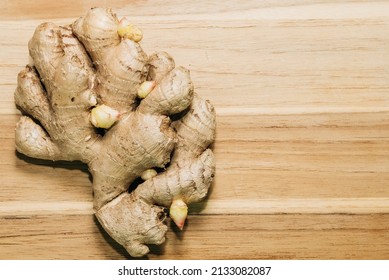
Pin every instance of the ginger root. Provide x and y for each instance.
(93, 73)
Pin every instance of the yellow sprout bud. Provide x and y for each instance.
(145, 88)
(148, 174)
(128, 31)
(178, 212)
(104, 116)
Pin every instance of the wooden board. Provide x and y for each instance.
(301, 90)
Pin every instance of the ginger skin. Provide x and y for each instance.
(89, 74)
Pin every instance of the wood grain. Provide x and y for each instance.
(301, 90)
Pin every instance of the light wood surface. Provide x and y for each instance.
(301, 90)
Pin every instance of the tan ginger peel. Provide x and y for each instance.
(90, 74)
